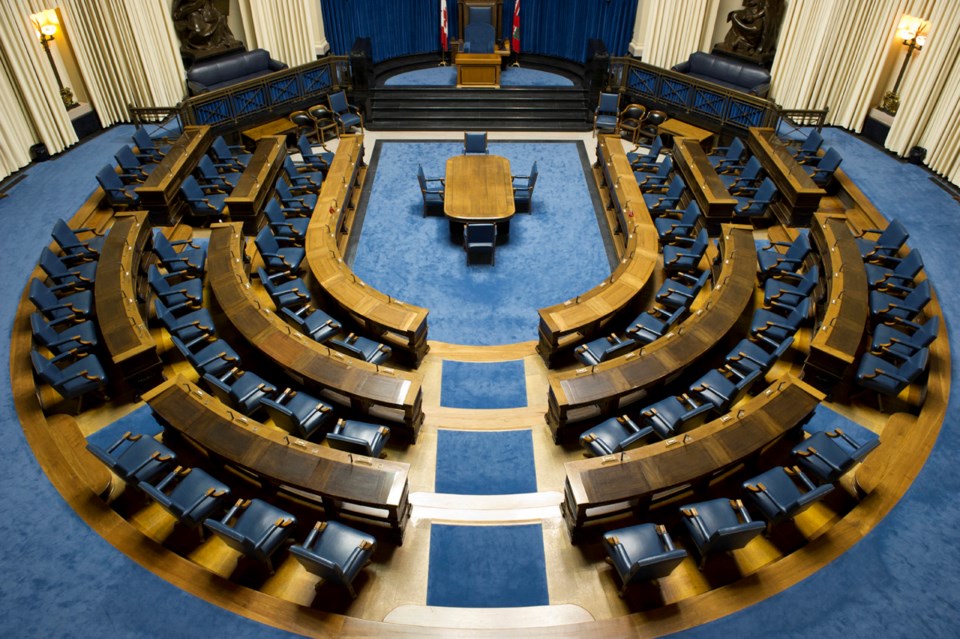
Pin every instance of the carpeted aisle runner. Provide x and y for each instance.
(485, 462)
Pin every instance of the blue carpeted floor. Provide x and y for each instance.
(447, 77)
(483, 385)
(552, 255)
(485, 462)
(486, 566)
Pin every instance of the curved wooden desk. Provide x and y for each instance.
(402, 326)
(345, 485)
(607, 388)
(132, 349)
(616, 484)
(370, 390)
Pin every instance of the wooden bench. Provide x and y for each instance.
(799, 194)
(372, 391)
(256, 185)
(345, 485)
(160, 193)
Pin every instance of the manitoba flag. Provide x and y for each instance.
(515, 34)
(443, 25)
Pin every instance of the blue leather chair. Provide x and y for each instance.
(209, 175)
(790, 289)
(671, 415)
(312, 322)
(335, 552)
(208, 354)
(297, 413)
(661, 202)
(294, 228)
(285, 291)
(891, 342)
(681, 289)
(654, 323)
(885, 307)
(71, 308)
(301, 177)
(72, 247)
(187, 292)
(277, 258)
(135, 458)
(346, 115)
(772, 261)
(749, 353)
(605, 348)
(254, 528)
(523, 186)
(189, 260)
(189, 494)
(362, 348)
(132, 171)
(894, 270)
(719, 525)
(480, 239)
(889, 378)
(722, 157)
(650, 155)
(830, 454)
(76, 276)
(231, 156)
(319, 161)
(238, 388)
(614, 435)
(359, 438)
(886, 244)
(479, 37)
(76, 337)
(203, 201)
(649, 182)
(811, 144)
(642, 553)
(606, 115)
(782, 493)
(778, 322)
(299, 205)
(679, 225)
(822, 171)
(475, 143)
(747, 178)
(119, 195)
(148, 149)
(756, 205)
(432, 197)
(725, 385)
(80, 377)
(685, 254)
(188, 327)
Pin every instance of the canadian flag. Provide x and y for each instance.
(443, 25)
(515, 34)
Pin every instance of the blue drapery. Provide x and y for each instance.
(558, 28)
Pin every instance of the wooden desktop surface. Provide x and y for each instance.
(255, 186)
(681, 129)
(708, 189)
(478, 188)
(159, 192)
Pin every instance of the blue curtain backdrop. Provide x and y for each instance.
(561, 28)
(395, 27)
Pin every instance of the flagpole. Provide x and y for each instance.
(443, 33)
(515, 35)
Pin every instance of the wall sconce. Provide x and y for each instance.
(46, 26)
(910, 31)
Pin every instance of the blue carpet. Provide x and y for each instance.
(140, 421)
(447, 77)
(486, 566)
(483, 385)
(410, 257)
(507, 462)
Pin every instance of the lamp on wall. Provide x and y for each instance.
(910, 32)
(46, 26)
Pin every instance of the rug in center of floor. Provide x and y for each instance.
(485, 462)
(483, 384)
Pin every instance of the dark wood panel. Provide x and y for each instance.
(799, 194)
(160, 193)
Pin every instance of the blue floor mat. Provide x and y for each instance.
(507, 462)
(483, 385)
(447, 77)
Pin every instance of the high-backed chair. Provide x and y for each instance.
(294, 228)
(650, 128)
(772, 261)
(523, 189)
(822, 171)
(654, 323)
(752, 353)
(335, 552)
(756, 203)
(208, 175)
(889, 378)
(319, 161)
(80, 377)
(829, 454)
(778, 322)
(605, 348)
(782, 493)
(189, 494)
(254, 528)
(324, 122)
(790, 288)
(72, 247)
(675, 225)
(685, 255)
(346, 115)
(208, 354)
(188, 327)
(723, 156)
(899, 338)
(149, 149)
(643, 161)
(297, 413)
(474, 142)
(480, 240)
(229, 155)
(203, 201)
(725, 385)
(131, 168)
(659, 203)
(649, 182)
(745, 181)
(71, 308)
(606, 115)
(306, 125)
(119, 195)
(680, 289)
(300, 205)
(479, 37)
(642, 553)
(673, 414)
(73, 338)
(359, 438)
(811, 144)
(76, 276)
(432, 197)
(312, 322)
(884, 306)
(135, 458)
(285, 291)
(238, 388)
(719, 525)
(885, 244)
(186, 292)
(362, 348)
(631, 118)
(277, 258)
(894, 270)
(301, 177)
(614, 435)
(190, 260)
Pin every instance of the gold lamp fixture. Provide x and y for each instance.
(910, 31)
(46, 24)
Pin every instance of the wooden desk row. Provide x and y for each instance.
(400, 325)
(614, 485)
(126, 337)
(345, 485)
(608, 388)
(799, 194)
(370, 390)
(256, 184)
(564, 325)
(160, 193)
(715, 202)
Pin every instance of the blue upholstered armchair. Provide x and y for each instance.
(294, 228)
(894, 270)
(757, 203)
(203, 201)
(614, 435)
(772, 261)
(75, 276)
(655, 176)
(649, 156)
(642, 553)
(278, 258)
(185, 293)
(605, 348)
(346, 115)
(654, 323)
(189, 494)
(148, 149)
(724, 157)
(76, 337)
(229, 155)
(673, 414)
(889, 378)
(303, 179)
(312, 322)
(675, 225)
(335, 552)
(750, 353)
(300, 205)
(886, 243)
(189, 326)
(480, 239)
(208, 354)
(830, 454)
(132, 171)
(238, 388)
(685, 255)
(69, 308)
(119, 195)
(72, 247)
(362, 348)
(606, 115)
(297, 413)
(719, 525)
(523, 186)
(77, 378)
(432, 196)
(778, 322)
(189, 260)
(782, 493)
(318, 161)
(359, 438)
(723, 386)
(789, 288)
(659, 203)
(746, 180)
(681, 289)
(285, 291)
(474, 142)
(209, 175)
(822, 171)
(885, 307)
(135, 458)
(901, 339)
(254, 528)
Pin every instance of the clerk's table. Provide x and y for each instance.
(478, 189)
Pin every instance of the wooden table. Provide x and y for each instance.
(799, 194)
(680, 129)
(478, 189)
(715, 202)
(281, 126)
(255, 187)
